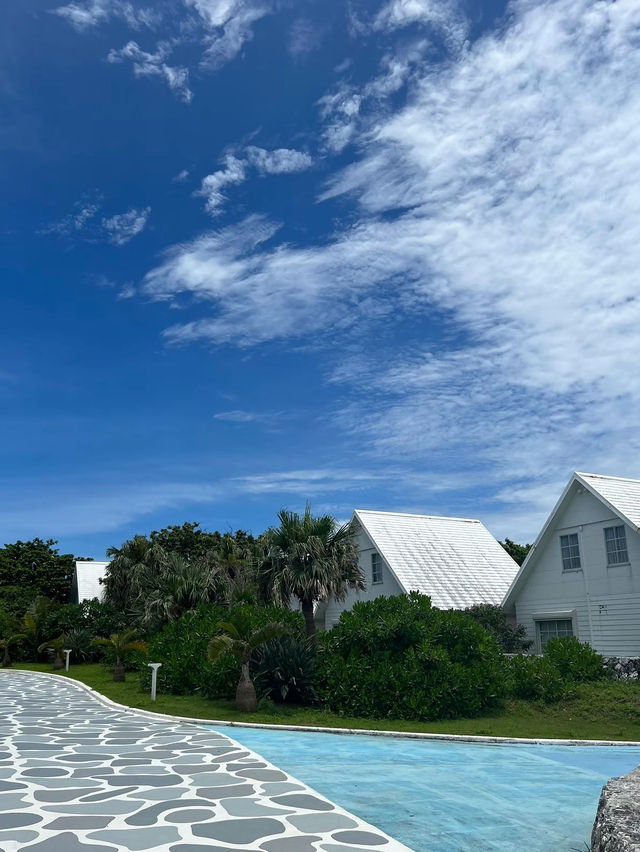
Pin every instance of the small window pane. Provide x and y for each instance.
(616, 542)
(376, 568)
(570, 552)
(554, 629)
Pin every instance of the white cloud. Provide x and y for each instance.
(82, 218)
(239, 416)
(123, 227)
(234, 172)
(305, 36)
(153, 65)
(500, 205)
(181, 176)
(279, 161)
(85, 15)
(445, 17)
(228, 25)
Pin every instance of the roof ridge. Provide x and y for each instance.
(607, 476)
(416, 515)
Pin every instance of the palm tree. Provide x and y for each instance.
(122, 644)
(128, 564)
(5, 644)
(239, 638)
(311, 559)
(56, 645)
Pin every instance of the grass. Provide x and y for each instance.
(608, 710)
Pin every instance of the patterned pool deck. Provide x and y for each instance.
(77, 776)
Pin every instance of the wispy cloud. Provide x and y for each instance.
(500, 204)
(153, 65)
(236, 171)
(91, 13)
(278, 162)
(213, 185)
(123, 227)
(305, 36)
(237, 415)
(83, 216)
(228, 25)
(181, 176)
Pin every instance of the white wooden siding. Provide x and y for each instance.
(606, 599)
(388, 587)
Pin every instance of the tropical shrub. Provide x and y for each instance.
(284, 670)
(239, 638)
(575, 661)
(511, 638)
(400, 657)
(534, 678)
(82, 623)
(121, 645)
(16, 600)
(181, 647)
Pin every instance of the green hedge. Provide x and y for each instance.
(181, 647)
(400, 658)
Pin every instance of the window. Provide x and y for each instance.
(615, 540)
(376, 568)
(554, 629)
(570, 551)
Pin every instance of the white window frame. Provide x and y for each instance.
(559, 615)
(376, 568)
(618, 548)
(570, 545)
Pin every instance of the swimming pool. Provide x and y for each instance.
(453, 796)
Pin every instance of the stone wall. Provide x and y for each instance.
(617, 825)
(623, 668)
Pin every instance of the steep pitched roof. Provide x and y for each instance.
(86, 579)
(456, 561)
(620, 495)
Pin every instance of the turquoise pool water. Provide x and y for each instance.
(449, 796)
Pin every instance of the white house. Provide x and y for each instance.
(456, 561)
(86, 581)
(582, 576)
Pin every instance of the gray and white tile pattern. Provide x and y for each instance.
(78, 776)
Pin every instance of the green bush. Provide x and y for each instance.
(82, 623)
(511, 638)
(16, 600)
(399, 657)
(181, 647)
(534, 678)
(283, 670)
(576, 661)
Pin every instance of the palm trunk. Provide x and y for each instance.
(307, 611)
(58, 662)
(118, 672)
(246, 698)
(6, 660)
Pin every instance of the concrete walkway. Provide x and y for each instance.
(76, 776)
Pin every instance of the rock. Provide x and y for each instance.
(617, 824)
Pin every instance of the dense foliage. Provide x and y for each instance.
(575, 661)
(284, 670)
(182, 645)
(518, 552)
(399, 657)
(511, 638)
(37, 566)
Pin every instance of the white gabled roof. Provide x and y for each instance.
(87, 579)
(620, 495)
(456, 561)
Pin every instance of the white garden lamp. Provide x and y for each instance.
(67, 651)
(154, 678)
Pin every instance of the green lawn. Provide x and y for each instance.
(607, 710)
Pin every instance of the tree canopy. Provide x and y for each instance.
(518, 552)
(38, 566)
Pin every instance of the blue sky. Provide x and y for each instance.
(380, 254)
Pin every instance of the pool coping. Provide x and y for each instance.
(411, 735)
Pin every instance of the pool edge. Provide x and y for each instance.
(411, 735)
